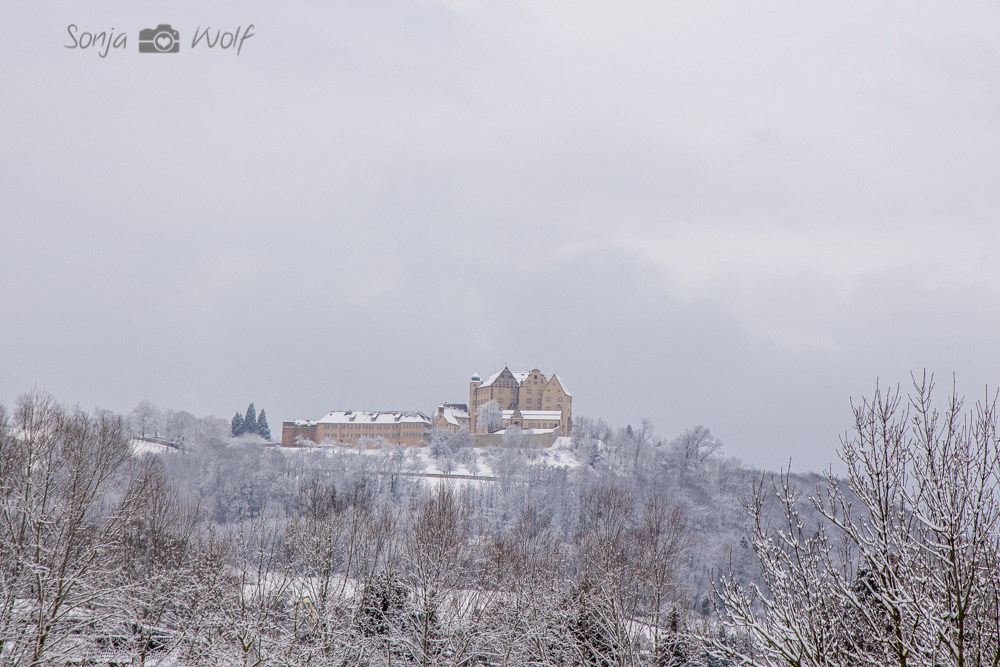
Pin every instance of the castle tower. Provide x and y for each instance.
(473, 385)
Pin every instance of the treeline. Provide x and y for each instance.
(236, 553)
(101, 553)
(233, 553)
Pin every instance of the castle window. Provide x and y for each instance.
(548, 399)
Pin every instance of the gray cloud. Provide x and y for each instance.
(713, 213)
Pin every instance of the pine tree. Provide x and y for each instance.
(250, 421)
(263, 429)
(238, 424)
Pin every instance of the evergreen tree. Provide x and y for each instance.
(250, 421)
(239, 425)
(383, 606)
(263, 429)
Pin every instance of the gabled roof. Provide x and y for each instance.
(519, 377)
(493, 378)
(454, 413)
(562, 384)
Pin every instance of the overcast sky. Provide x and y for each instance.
(736, 214)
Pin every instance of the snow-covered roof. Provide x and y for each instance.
(562, 384)
(553, 415)
(454, 413)
(491, 379)
(351, 417)
(520, 376)
(303, 422)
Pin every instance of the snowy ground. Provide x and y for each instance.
(140, 446)
(468, 466)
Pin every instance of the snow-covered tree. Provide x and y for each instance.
(250, 420)
(238, 424)
(177, 426)
(66, 490)
(641, 440)
(414, 461)
(336, 544)
(514, 437)
(145, 419)
(255, 615)
(154, 585)
(462, 440)
(439, 443)
(263, 428)
(489, 416)
(694, 446)
(905, 569)
(251, 424)
(437, 555)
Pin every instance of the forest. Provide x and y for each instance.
(643, 551)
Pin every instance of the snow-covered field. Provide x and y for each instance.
(470, 466)
(140, 446)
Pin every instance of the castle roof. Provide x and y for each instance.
(454, 413)
(493, 378)
(519, 377)
(562, 384)
(351, 417)
(549, 415)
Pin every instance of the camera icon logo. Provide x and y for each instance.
(161, 39)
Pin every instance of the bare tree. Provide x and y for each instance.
(56, 528)
(661, 536)
(695, 445)
(606, 597)
(641, 440)
(155, 597)
(179, 426)
(254, 618)
(524, 566)
(907, 573)
(146, 419)
(337, 543)
(438, 558)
